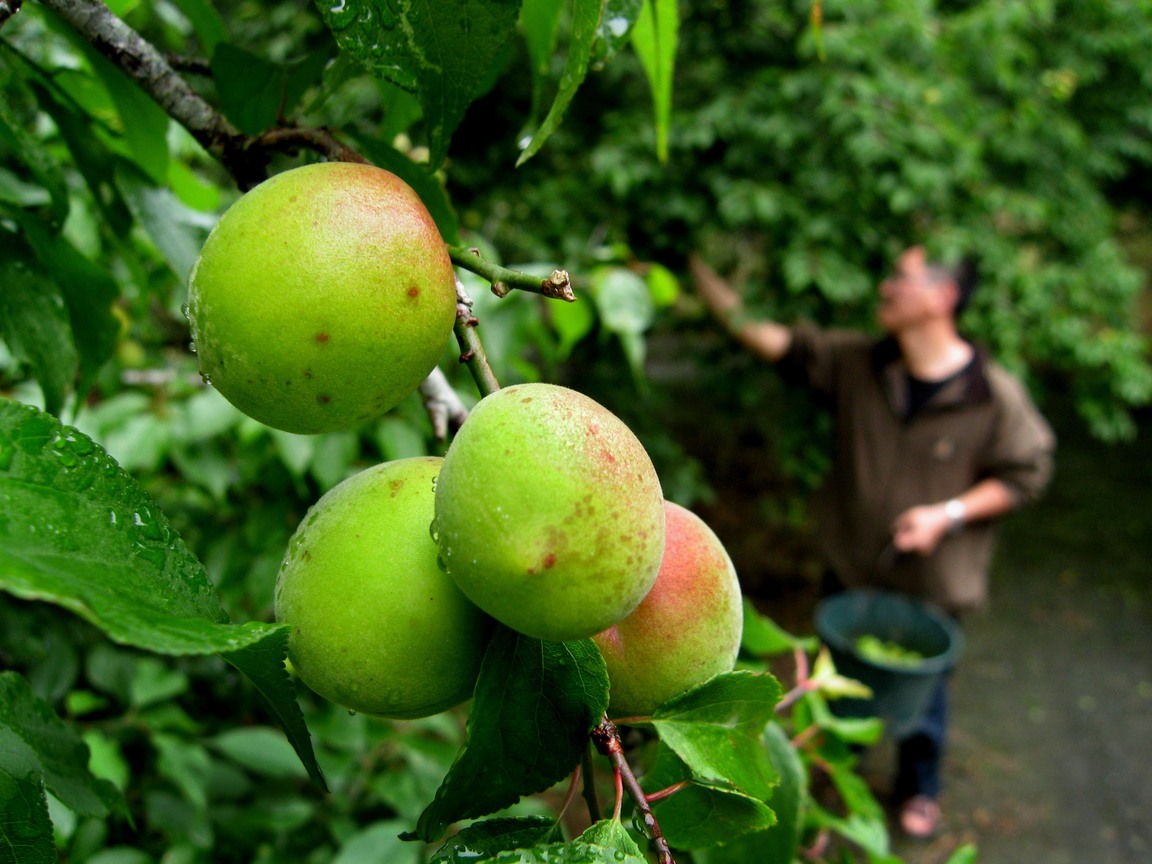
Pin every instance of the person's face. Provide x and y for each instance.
(912, 294)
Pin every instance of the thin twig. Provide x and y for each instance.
(557, 286)
(607, 741)
(471, 348)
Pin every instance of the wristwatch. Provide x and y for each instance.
(955, 510)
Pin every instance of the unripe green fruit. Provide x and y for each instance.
(686, 629)
(322, 298)
(549, 513)
(377, 626)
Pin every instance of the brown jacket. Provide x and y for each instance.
(981, 424)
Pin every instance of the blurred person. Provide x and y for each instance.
(934, 442)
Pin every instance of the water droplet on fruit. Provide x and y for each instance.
(186, 311)
(192, 346)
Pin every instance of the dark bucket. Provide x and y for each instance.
(901, 691)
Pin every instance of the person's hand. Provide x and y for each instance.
(920, 529)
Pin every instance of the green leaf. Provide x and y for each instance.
(379, 843)
(79, 532)
(611, 834)
(25, 827)
(441, 51)
(144, 123)
(763, 637)
(654, 39)
(716, 729)
(88, 291)
(539, 21)
(206, 21)
(37, 159)
(263, 663)
(702, 814)
(61, 756)
(256, 93)
(483, 839)
(260, 749)
(585, 20)
(534, 705)
(177, 230)
(34, 321)
(623, 300)
(782, 841)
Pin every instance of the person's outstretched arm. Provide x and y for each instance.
(768, 339)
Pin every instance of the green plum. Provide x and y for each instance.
(377, 626)
(549, 512)
(686, 630)
(323, 297)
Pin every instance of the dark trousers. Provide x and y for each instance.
(920, 754)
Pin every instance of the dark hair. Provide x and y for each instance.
(964, 274)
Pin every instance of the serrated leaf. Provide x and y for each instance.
(716, 729)
(654, 39)
(25, 827)
(585, 19)
(60, 753)
(79, 532)
(611, 834)
(491, 836)
(702, 814)
(34, 322)
(441, 51)
(534, 705)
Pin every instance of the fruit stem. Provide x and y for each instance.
(557, 286)
(589, 791)
(471, 348)
(607, 741)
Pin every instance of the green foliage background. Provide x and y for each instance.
(798, 158)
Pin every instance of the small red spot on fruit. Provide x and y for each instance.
(323, 398)
(322, 337)
(413, 291)
(549, 561)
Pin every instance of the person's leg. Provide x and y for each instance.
(919, 759)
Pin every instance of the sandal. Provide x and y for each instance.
(920, 817)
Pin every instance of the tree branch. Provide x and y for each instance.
(557, 286)
(142, 62)
(607, 741)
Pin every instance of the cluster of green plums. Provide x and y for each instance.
(325, 296)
